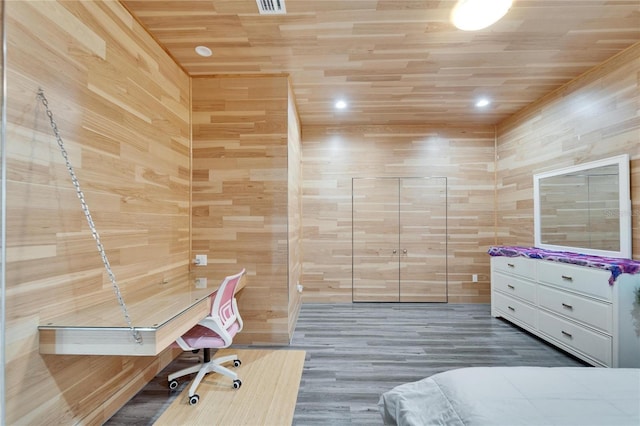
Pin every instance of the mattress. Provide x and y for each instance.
(513, 396)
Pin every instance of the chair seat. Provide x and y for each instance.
(199, 337)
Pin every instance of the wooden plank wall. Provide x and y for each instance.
(295, 209)
(331, 157)
(595, 116)
(122, 107)
(241, 188)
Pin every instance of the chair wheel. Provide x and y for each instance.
(237, 363)
(173, 384)
(194, 399)
(237, 383)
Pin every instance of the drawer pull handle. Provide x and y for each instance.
(511, 265)
(567, 277)
(511, 287)
(564, 305)
(511, 309)
(564, 333)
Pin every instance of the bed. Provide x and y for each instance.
(513, 396)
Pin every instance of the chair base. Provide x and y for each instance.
(209, 366)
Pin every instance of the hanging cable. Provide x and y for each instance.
(94, 232)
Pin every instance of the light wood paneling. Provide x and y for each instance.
(332, 156)
(122, 107)
(376, 227)
(294, 200)
(593, 117)
(397, 61)
(399, 239)
(243, 193)
(423, 239)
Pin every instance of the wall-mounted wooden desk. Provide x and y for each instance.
(159, 313)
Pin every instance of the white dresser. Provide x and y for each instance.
(573, 307)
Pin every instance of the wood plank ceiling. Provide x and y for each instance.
(396, 61)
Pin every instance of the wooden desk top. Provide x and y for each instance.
(159, 313)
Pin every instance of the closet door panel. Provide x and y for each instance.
(423, 240)
(375, 240)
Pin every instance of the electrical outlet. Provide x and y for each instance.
(201, 283)
(201, 259)
(300, 288)
(474, 278)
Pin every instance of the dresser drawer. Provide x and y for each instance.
(515, 265)
(590, 343)
(514, 309)
(514, 286)
(594, 282)
(589, 311)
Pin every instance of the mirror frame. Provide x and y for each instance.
(622, 161)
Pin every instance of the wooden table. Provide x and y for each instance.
(159, 313)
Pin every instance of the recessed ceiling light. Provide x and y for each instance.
(341, 105)
(472, 15)
(203, 51)
(483, 102)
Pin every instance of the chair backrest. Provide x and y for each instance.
(223, 305)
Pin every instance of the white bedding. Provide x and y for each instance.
(513, 396)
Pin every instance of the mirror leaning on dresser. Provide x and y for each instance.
(585, 208)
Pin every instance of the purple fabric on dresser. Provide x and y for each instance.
(616, 266)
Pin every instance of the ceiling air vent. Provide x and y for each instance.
(271, 7)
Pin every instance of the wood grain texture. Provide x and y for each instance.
(594, 117)
(375, 240)
(122, 107)
(399, 239)
(294, 206)
(423, 240)
(397, 61)
(244, 193)
(332, 156)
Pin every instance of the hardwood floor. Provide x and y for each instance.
(355, 352)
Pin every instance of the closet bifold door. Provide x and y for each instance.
(423, 239)
(399, 239)
(375, 224)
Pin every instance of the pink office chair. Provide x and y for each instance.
(213, 332)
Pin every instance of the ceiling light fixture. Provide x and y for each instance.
(483, 102)
(472, 15)
(341, 105)
(203, 51)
